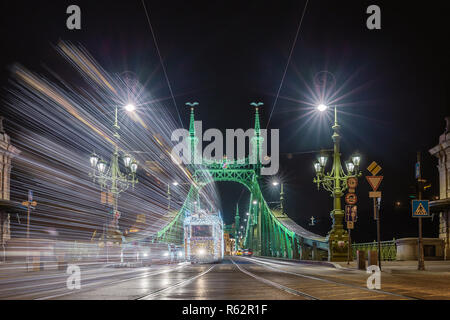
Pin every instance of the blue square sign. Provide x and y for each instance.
(420, 208)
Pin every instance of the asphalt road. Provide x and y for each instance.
(235, 278)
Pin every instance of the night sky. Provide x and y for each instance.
(226, 54)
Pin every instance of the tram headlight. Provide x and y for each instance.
(201, 252)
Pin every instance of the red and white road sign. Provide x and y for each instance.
(352, 182)
(351, 198)
(374, 181)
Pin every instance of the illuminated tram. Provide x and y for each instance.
(203, 237)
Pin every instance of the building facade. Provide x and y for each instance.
(7, 153)
(442, 206)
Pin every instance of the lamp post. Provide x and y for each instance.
(276, 183)
(109, 177)
(336, 183)
(30, 205)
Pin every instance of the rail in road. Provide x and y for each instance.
(275, 266)
(310, 282)
(52, 286)
(179, 284)
(274, 284)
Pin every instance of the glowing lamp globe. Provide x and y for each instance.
(130, 107)
(321, 107)
(133, 166)
(127, 160)
(356, 159)
(93, 159)
(101, 166)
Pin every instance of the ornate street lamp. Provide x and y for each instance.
(109, 176)
(336, 183)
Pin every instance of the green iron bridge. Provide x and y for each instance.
(269, 232)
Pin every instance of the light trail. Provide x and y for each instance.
(57, 122)
(179, 284)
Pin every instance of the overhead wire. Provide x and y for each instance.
(288, 62)
(161, 61)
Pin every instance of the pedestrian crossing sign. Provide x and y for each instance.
(420, 208)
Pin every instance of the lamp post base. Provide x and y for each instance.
(338, 239)
(338, 247)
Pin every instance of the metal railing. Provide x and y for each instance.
(388, 249)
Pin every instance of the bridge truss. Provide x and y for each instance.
(269, 232)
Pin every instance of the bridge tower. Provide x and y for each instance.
(256, 141)
(193, 153)
(237, 219)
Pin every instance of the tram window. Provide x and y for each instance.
(201, 231)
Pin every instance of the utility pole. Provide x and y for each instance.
(420, 257)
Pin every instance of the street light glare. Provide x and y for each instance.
(175, 183)
(130, 107)
(275, 183)
(321, 107)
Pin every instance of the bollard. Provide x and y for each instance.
(372, 257)
(361, 259)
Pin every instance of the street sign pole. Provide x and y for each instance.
(374, 181)
(421, 262)
(377, 211)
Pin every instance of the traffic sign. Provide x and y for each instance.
(350, 225)
(374, 194)
(351, 213)
(351, 198)
(352, 182)
(417, 170)
(374, 168)
(374, 181)
(420, 208)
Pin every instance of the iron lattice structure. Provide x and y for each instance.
(269, 232)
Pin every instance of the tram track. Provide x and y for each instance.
(96, 281)
(270, 265)
(274, 284)
(176, 285)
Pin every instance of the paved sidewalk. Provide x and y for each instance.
(404, 266)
